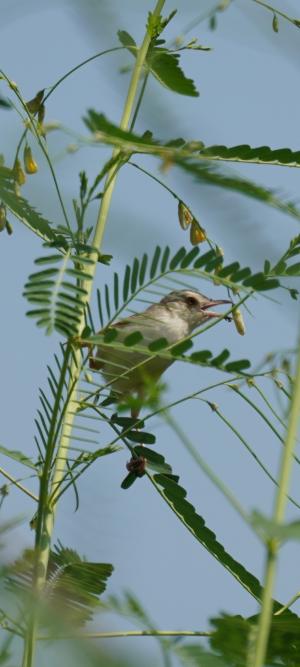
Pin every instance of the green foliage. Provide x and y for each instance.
(163, 64)
(197, 160)
(233, 634)
(21, 208)
(18, 456)
(193, 655)
(73, 584)
(58, 292)
(271, 530)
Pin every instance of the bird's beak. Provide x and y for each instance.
(211, 303)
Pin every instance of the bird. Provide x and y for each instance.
(173, 318)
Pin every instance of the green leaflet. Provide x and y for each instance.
(73, 583)
(197, 159)
(57, 292)
(164, 65)
(17, 456)
(232, 636)
(21, 208)
(194, 655)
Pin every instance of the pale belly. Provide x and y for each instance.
(115, 364)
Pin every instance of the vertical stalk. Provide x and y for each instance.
(46, 511)
(278, 516)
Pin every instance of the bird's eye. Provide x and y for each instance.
(191, 301)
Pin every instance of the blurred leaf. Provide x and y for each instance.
(18, 456)
(233, 634)
(272, 530)
(73, 584)
(193, 655)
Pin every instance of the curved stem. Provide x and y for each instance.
(74, 69)
(46, 510)
(278, 516)
(134, 633)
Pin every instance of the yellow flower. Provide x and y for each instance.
(197, 234)
(29, 162)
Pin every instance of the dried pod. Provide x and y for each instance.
(20, 175)
(2, 217)
(197, 234)
(239, 321)
(29, 162)
(34, 105)
(185, 216)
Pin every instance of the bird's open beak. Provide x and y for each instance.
(212, 302)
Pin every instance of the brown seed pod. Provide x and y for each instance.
(185, 216)
(239, 321)
(197, 233)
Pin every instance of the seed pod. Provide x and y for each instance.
(29, 162)
(184, 215)
(197, 234)
(275, 24)
(34, 105)
(2, 217)
(20, 176)
(239, 321)
(9, 228)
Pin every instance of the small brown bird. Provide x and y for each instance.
(173, 318)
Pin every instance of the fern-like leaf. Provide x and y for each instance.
(73, 585)
(57, 292)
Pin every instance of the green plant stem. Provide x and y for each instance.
(278, 516)
(274, 10)
(133, 633)
(45, 514)
(250, 450)
(74, 69)
(16, 483)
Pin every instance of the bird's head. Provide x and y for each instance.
(193, 307)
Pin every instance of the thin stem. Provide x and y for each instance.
(278, 516)
(288, 604)
(132, 633)
(17, 484)
(274, 10)
(74, 69)
(46, 512)
(206, 468)
(42, 146)
(250, 450)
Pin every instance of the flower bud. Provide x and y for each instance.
(20, 176)
(185, 215)
(29, 162)
(2, 217)
(239, 321)
(197, 233)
